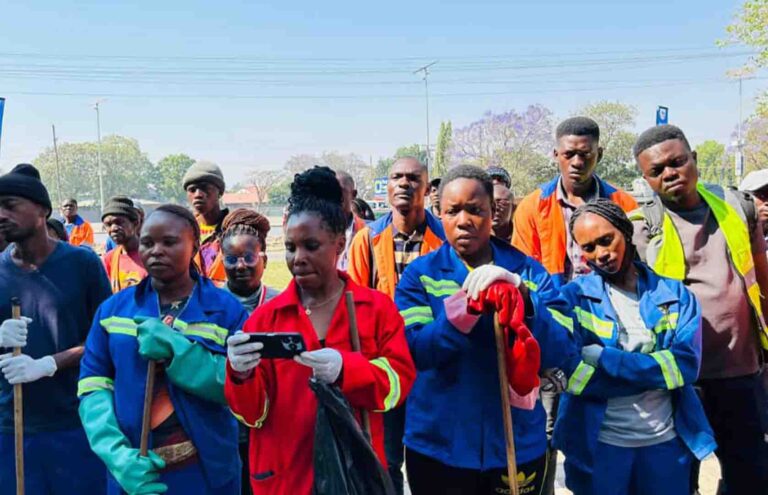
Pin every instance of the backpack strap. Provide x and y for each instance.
(653, 212)
(743, 201)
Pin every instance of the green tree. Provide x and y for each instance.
(351, 163)
(381, 169)
(126, 169)
(616, 121)
(442, 152)
(712, 164)
(750, 28)
(169, 173)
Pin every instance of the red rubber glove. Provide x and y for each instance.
(504, 299)
(523, 359)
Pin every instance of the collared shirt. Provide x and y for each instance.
(407, 247)
(574, 261)
(349, 234)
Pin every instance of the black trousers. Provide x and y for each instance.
(550, 401)
(246, 473)
(427, 476)
(394, 430)
(735, 408)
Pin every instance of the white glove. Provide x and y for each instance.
(326, 363)
(481, 277)
(13, 333)
(242, 355)
(24, 369)
(591, 354)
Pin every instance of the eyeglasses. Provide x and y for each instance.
(249, 259)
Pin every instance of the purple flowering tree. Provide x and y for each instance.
(518, 141)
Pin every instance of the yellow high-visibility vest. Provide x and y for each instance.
(665, 250)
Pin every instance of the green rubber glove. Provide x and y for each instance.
(136, 474)
(156, 339)
(189, 365)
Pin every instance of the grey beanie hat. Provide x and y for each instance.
(204, 172)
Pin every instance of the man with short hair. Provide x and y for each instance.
(541, 229)
(434, 200)
(542, 217)
(704, 236)
(499, 175)
(204, 184)
(59, 287)
(123, 263)
(379, 254)
(756, 184)
(79, 230)
(354, 223)
(504, 207)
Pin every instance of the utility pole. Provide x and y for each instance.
(739, 165)
(425, 71)
(98, 156)
(58, 170)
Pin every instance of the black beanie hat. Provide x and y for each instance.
(121, 206)
(24, 182)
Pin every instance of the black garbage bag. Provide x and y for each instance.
(344, 461)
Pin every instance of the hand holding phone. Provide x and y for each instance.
(279, 345)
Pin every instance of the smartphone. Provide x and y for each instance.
(281, 345)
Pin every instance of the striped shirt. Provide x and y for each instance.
(407, 247)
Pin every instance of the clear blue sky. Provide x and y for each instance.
(247, 84)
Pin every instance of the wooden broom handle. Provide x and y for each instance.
(18, 412)
(354, 337)
(509, 436)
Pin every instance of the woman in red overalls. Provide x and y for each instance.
(272, 396)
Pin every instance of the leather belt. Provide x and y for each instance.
(174, 454)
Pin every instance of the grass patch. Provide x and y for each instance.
(276, 275)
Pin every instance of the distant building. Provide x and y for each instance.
(250, 197)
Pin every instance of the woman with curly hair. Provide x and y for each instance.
(272, 396)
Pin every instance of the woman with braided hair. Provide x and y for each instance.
(243, 246)
(630, 421)
(272, 396)
(244, 249)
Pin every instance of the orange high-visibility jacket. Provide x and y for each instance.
(214, 271)
(80, 232)
(372, 253)
(539, 224)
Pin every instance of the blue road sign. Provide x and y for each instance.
(380, 187)
(662, 115)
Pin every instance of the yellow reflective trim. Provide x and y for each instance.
(94, 383)
(601, 328)
(118, 325)
(393, 397)
(580, 378)
(667, 322)
(259, 422)
(563, 320)
(672, 376)
(531, 285)
(439, 288)
(417, 314)
(670, 259)
(208, 331)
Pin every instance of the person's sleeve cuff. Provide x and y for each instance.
(456, 312)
